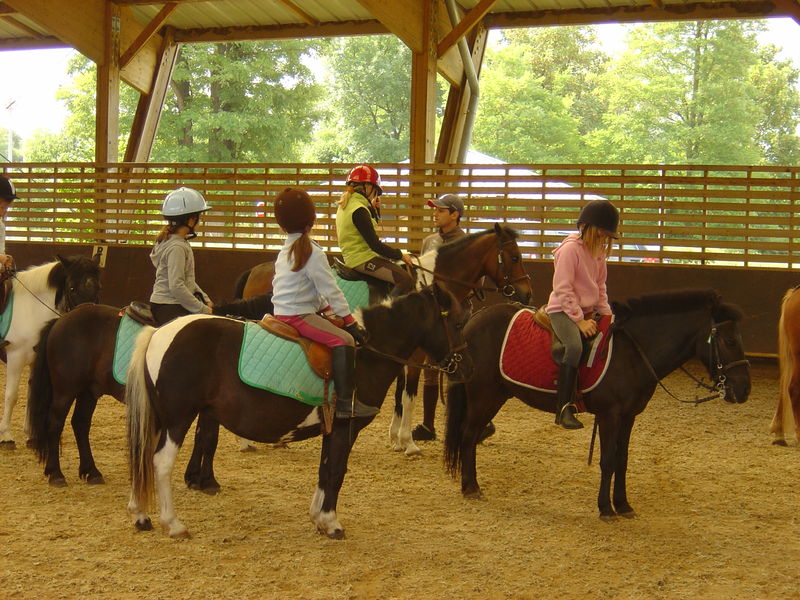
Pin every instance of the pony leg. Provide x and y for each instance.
(51, 446)
(336, 448)
(200, 470)
(609, 427)
(620, 491)
(163, 463)
(13, 375)
(399, 411)
(81, 424)
(405, 439)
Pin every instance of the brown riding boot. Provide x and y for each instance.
(565, 398)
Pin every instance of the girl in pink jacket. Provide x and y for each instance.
(579, 293)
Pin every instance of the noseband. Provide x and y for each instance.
(715, 362)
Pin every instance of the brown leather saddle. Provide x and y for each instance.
(141, 313)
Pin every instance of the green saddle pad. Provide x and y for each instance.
(356, 292)
(127, 331)
(272, 363)
(5, 318)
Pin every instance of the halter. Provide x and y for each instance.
(507, 286)
(719, 370)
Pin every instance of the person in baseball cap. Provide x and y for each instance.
(447, 212)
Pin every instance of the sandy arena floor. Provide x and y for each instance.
(718, 510)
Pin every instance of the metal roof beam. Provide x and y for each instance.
(464, 26)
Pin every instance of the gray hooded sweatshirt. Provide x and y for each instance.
(175, 284)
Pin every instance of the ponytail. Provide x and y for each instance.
(301, 249)
(165, 232)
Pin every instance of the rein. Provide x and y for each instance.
(42, 302)
(714, 359)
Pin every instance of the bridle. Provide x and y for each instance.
(718, 374)
(449, 364)
(506, 287)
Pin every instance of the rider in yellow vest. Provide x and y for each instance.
(356, 220)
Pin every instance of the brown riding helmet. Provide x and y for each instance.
(294, 210)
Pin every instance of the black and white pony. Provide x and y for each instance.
(39, 294)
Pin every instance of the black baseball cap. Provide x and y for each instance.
(7, 190)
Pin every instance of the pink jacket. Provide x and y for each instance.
(579, 281)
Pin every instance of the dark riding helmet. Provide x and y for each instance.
(294, 210)
(603, 215)
(365, 174)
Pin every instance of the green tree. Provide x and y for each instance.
(368, 105)
(682, 93)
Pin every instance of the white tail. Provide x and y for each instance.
(141, 424)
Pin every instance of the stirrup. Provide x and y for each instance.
(566, 417)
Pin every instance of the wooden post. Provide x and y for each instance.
(107, 119)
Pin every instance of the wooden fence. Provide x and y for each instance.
(682, 214)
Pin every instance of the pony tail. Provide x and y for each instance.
(454, 432)
(141, 425)
(301, 249)
(40, 396)
(783, 412)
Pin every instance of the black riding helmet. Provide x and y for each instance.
(603, 215)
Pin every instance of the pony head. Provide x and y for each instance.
(76, 280)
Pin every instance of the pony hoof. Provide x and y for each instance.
(473, 495)
(57, 482)
(413, 451)
(146, 525)
(8, 445)
(779, 443)
(336, 534)
(248, 448)
(95, 480)
(30, 445)
(608, 517)
(211, 490)
(183, 534)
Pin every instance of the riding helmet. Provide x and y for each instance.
(365, 174)
(294, 210)
(183, 201)
(603, 215)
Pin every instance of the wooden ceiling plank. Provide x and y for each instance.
(280, 32)
(83, 30)
(789, 7)
(299, 12)
(43, 43)
(5, 9)
(21, 26)
(147, 33)
(402, 18)
(466, 24)
(635, 14)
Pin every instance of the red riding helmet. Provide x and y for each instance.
(294, 210)
(365, 174)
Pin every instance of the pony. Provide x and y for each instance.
(75, 363)
(39, 293)
(788, 407)
(653, 336)
(459, 266)
(190, 366)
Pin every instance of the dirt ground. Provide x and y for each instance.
(718, 516)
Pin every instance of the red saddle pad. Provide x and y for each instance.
(525, 358)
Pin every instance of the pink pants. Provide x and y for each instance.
(318, 329)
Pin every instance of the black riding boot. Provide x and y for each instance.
(565, 409)
(343, 365)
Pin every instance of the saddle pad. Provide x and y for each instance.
(127, 331)
(5, 318)
(272, 363)
(356, 292)
(525, 358)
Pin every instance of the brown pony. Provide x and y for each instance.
(788, 408)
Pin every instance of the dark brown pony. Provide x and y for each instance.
(459, 266)
(73, 364)
(654, 335)
(190, 366)
(788, 408)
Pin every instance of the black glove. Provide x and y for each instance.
(359, 334)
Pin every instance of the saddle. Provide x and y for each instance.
(141, 313)
(5, 290)
(318, 355)
(378, 288)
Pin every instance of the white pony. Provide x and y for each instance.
(40, 294)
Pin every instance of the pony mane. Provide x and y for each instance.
(677, 301)
(454, 248)
(38, 276)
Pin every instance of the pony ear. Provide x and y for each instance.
(497, 229)
(62, 260)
